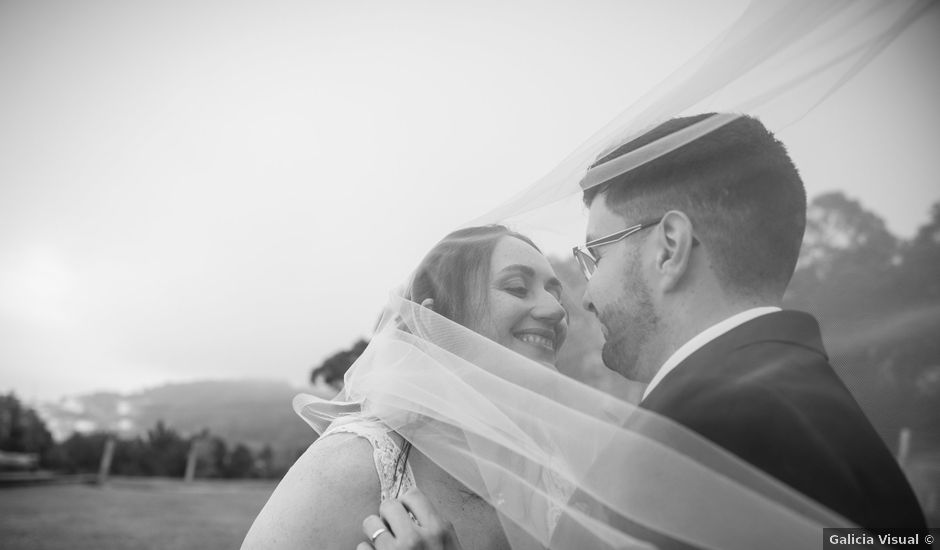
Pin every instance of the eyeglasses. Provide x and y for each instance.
(586, 254)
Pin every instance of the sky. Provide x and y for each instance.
(230, 190)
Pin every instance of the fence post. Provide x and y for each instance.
(104, 469)
(191, 458)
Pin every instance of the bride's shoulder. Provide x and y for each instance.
(323, 498)
(342, 461)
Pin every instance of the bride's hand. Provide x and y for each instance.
(409, 523)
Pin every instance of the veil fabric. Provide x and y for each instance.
(778, 61)
(568, 466)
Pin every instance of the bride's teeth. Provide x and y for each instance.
(537, 340)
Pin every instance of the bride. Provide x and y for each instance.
(489, 279)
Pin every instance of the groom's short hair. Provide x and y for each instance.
(738, 186)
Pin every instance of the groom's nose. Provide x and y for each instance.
(587, 303)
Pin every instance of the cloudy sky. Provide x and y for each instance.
(229, 190)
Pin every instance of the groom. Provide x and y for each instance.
(687, 260)
(690, 303)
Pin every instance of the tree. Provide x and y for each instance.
(266, 460)
(23, 431)
(847, 252)
(82, 452)
(219, 458)
(334, 368)
(921, 260)
(241, 462)
(130, 458)
(166, 451)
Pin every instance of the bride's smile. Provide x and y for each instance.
(537, 337)
(523, 310)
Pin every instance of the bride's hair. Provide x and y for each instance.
(454, 271)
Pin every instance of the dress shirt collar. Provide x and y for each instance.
(703, 338)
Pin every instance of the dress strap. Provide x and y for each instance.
(390, 456)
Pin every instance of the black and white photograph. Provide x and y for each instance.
(363, 275)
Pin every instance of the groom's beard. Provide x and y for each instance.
(630, 327)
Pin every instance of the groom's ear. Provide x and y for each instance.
(676, 240)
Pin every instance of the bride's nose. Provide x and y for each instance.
(549, 309)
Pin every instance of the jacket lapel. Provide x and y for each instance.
(790, 327)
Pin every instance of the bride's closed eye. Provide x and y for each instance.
(516, 288)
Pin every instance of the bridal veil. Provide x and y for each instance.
(566, 464)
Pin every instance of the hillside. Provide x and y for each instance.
(254, 412)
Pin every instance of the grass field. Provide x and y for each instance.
(138, 514)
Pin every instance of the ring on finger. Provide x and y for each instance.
(377, 534)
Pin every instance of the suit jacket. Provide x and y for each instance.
(765, 391)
